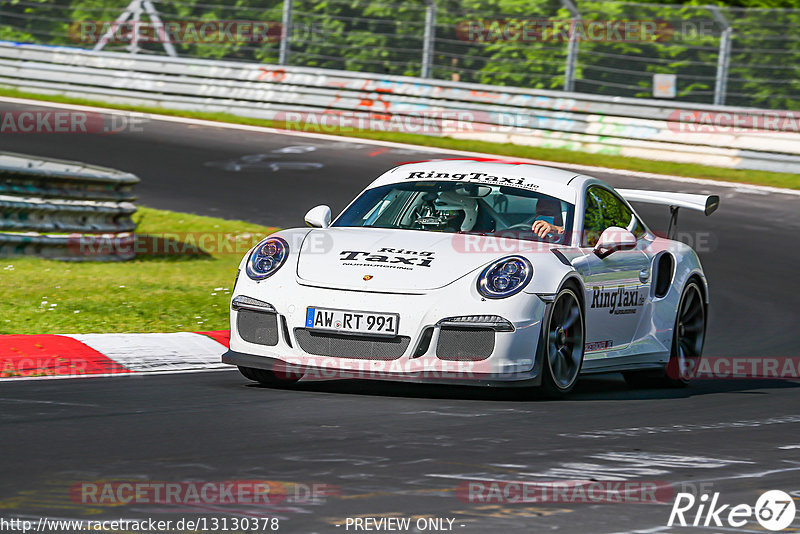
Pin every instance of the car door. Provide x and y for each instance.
(618, 285)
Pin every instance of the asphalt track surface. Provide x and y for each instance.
(398, 450)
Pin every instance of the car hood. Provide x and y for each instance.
(376, 259)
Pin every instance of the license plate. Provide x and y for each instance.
(352, 322)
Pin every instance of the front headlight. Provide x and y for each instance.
(267, 258)
(505, 277)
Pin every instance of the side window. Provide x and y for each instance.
(638, 228)
(603, 210)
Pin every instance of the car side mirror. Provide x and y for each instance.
(319, 217)
(614, 239)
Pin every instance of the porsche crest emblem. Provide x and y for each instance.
(367, 277)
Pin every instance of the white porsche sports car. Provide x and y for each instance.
(474, 272)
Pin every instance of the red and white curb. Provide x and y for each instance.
(84, 355)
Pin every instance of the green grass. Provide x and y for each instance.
(791, 181)
(189, 292)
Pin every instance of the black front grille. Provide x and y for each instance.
(258, 327)
(465, 344)
(346, 346)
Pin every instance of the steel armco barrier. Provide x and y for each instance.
(65, 215)
(42, 197)
(22, 176)
(650, 129)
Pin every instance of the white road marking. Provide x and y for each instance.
(31, 401)
(448, 414)
(625, 466)
(743, 475)
(667, 460)
(646, 430)
(115, 375)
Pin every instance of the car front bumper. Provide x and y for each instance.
(507, 359)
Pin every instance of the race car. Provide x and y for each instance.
(475, 272)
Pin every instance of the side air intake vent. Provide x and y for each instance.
(257, 327)
(465, 344)
(665, 267)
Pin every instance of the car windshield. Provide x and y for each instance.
(460, 208)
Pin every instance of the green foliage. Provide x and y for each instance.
(603, 211)
(386, 36)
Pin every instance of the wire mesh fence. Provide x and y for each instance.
(723, 55)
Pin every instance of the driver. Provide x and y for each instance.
(447, 212)
(547, 210)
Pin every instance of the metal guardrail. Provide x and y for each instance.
(48, 196)
(65, 215)
(22, 176)
(649, 129)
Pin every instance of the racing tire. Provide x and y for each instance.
(265, 377)
(562, 343)
(246, 372)
(688, 339)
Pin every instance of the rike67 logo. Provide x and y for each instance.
(774, 510)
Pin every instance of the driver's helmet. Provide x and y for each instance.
(448, 212)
